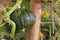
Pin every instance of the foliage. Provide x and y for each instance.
(5, 19)
(46, 28)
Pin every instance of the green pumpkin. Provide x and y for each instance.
(23, 18)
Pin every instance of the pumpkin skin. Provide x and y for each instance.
(27, 18)
(23, 18)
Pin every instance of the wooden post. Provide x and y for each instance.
(35, 7)
(5, 2)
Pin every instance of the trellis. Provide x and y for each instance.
(52, 18)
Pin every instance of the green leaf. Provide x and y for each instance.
(25, 4)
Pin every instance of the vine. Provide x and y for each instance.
(6, 18)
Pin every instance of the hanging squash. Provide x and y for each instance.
(23, 18)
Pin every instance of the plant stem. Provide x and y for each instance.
(15, 6)
(13, 26)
